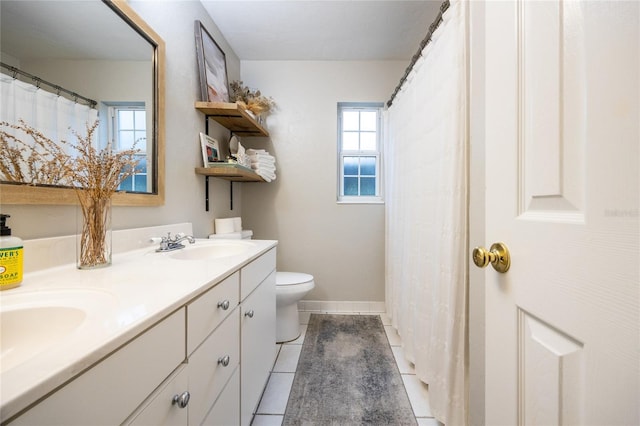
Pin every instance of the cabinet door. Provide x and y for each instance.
(159, 408)
(226, 410)
(208, 373)
(258, 344)
(112, 389)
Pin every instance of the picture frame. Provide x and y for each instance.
(212, 67)
(210, 150)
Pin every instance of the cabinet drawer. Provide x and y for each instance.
(207, 376)
(112, 389)
(204, 314)
(226, 410)
(255, 272)
(159, 408)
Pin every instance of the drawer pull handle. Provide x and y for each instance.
(224, 360)
(249, 313)
(182, 400)
(224, 305)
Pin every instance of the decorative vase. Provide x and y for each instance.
(93, 247)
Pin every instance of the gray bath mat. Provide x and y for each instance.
(347, 375)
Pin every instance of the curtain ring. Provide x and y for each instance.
(38, 82)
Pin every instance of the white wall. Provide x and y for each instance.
(342, 246)
(119, 80)
(174, 22)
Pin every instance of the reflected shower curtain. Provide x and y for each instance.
(426, 216)
(54, 116)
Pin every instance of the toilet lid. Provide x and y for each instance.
(292, 278)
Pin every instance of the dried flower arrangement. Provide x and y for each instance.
(250, 99)
(94, 174)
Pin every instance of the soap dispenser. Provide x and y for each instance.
(10, 256)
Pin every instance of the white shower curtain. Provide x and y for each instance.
(54, 116)
(426, 216)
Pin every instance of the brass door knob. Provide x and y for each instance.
(498, 256)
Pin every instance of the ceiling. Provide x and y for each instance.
(323, 29)
(75, 29)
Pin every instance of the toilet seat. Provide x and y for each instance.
(292, 278)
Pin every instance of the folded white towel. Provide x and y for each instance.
(268, 176)
(255, 157)
(261, 159)
(260, 163)
(252, 151)
(264, 168)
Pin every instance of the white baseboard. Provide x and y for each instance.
(326, 306)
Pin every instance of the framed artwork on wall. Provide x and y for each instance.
(210, 150)
(212, 67)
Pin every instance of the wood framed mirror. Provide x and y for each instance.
(116, 25)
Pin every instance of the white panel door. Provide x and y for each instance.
(562, 184)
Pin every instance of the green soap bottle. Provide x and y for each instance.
(11, 256)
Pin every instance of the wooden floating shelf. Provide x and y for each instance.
(233, 117)
(232, 172)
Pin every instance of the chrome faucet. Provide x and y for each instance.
(169, 243)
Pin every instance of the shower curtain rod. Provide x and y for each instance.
(37, 81)
(443, 8)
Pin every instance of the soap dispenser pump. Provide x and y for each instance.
(11, 261)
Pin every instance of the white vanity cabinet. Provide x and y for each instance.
(111, 390)
(257, 331)
(206, 363)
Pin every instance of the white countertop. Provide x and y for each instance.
(140, 288)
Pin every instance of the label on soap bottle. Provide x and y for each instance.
(10, 267)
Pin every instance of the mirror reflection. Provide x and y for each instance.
(67, 63)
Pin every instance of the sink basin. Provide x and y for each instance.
(32, 322)
(212, 250)
(26, 332)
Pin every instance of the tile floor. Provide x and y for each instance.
(274, 399)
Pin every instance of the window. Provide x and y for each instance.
(359, 152)
(128, 125)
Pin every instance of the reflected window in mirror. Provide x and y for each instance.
(127, 129)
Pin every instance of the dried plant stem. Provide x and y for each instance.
(41, 162)
(94, 245)
(251, 100)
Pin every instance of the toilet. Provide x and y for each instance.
(290, 288)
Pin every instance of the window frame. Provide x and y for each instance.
(376, 107)
(113, 131)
